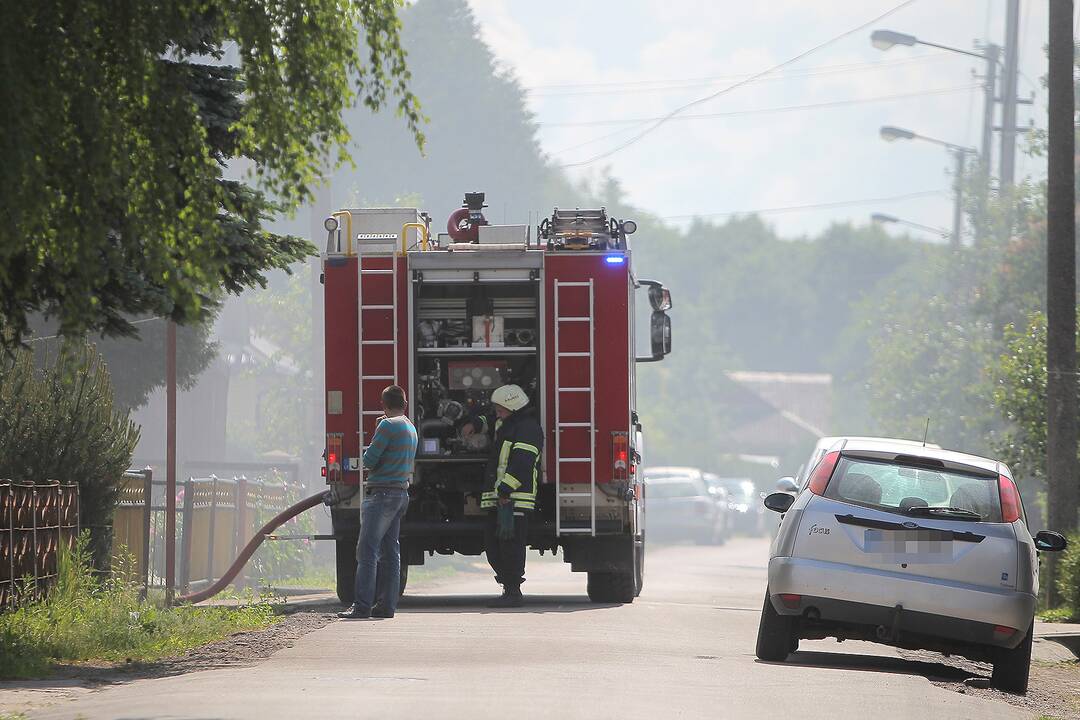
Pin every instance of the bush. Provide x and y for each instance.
(84, 618)
(57, 422)
(1068, 575)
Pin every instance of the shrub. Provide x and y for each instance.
(57, 422)
(1068, 575)
(85, 618)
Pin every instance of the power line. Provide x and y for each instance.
(768, 110)
(812, 206)
(638, 86)
(677, 111)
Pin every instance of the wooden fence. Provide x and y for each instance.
(36, 520)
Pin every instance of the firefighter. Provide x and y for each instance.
(513, 473)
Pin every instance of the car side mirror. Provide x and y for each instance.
(787, 484)
(779, 501)
(1048, 541)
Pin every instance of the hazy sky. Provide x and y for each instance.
(593, 61)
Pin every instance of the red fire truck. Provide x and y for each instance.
(452, 317)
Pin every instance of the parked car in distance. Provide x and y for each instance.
(744, 501)
(910, 546)
(722, 499)
(679, 506)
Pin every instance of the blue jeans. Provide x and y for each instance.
(378, 548)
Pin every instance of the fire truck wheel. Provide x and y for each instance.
(609, 587)
(346, 567)
(639, 567)
(404, 577)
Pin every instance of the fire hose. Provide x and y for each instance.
(253, 544)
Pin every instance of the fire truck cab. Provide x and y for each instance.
(452, 317)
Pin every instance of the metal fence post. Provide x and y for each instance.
(186, 533)
(211, 529)
(148, 494)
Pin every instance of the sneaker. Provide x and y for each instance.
(355, 613)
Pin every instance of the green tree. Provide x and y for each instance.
(60, 423)
(122, 120)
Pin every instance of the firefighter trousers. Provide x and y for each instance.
(507, 557)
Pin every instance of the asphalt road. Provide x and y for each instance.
(685, 649)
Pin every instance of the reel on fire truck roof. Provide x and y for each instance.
(585, 230)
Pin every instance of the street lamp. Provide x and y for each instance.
(882, 219)
(885, 39)
(890, 133)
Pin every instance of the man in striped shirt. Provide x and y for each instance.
(389, 460)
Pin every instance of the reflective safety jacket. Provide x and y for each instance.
(514, 468)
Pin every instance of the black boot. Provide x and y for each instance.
(355, 613)
(511, 598)
(381, 612)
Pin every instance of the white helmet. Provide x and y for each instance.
(511, 397)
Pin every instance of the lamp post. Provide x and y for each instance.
(885, 39)
(883, 219)
(960, 153)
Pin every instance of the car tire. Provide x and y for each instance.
(1012, 667)
(776, 634)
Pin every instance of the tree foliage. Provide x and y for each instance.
(121, 119)
(60, 423)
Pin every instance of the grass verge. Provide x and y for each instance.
(83, 618)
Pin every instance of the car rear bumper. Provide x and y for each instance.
(843, 594)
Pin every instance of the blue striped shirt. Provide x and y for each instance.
(392, 452)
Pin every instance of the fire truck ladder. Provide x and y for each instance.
(560, 424)
(365, 341)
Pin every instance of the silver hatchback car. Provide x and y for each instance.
(911, 546)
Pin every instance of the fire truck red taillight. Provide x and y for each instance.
(620, 456)
(333, 457)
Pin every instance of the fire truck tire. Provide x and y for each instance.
(612, 587)
(639, 567)
(345, 550)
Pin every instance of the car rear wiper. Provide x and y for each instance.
(953, 511)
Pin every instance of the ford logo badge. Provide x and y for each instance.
(910, 525)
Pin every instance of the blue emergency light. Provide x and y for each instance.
(615, 259)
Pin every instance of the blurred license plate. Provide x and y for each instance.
(910, 546)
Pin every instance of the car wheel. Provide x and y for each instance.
(1011, 667)
(776, 634)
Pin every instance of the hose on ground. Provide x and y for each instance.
(253, 544)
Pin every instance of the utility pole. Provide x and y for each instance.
(958, 200)
(1008, 94)
(992, 52)
(1061, 381)
(170, 461)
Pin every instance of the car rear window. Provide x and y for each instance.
(898, 488)
(672, 490)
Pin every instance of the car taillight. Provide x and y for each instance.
(620, 456)
(1003, 632)
(1010, 499)
(819, 479)
(790, 600)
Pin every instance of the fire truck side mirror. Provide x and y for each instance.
(659, 298)
(659, 337)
